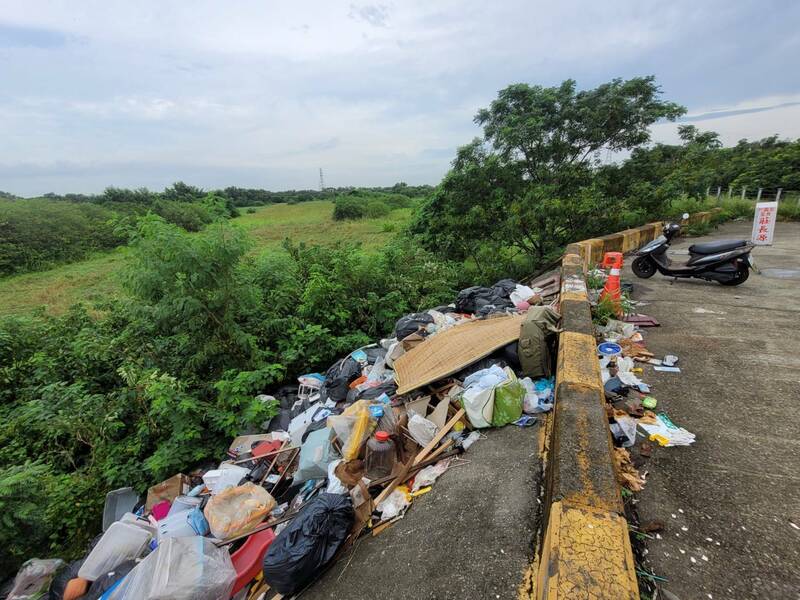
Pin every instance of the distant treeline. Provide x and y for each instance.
(37, 233)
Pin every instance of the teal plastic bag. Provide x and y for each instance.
(508, 399)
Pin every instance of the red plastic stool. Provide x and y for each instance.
(247, 559)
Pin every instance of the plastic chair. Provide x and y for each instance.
(247, 559)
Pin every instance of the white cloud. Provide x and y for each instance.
(254, 92)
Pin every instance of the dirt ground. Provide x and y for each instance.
(471, 537)
(731, 501)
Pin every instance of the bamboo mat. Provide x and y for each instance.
(451, 350)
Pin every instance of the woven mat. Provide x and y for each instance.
(451, 350)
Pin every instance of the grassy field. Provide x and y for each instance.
(92, 279)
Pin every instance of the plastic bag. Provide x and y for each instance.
(34, 578)
(335, 485)
(237, 510)
(395, 503)
(188, 568)
(315, 455)
(479, 406)
(308, 543)
(226, 476)
(507, 400)
(352, 427)
(123, 541)
(625, 430)
(338, 378)
(430, 474)
(412, 323)
(421, 429)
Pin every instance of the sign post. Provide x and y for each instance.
(764, 223)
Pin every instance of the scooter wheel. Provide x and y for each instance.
(741, 276)
(644, 267)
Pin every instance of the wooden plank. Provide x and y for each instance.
(438, 437)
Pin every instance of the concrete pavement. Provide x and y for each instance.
(731, 501)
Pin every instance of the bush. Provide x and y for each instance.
(251, 211)
(375, 208)
(348, 208)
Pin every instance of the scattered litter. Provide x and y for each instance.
(665, 432)
(668, 369)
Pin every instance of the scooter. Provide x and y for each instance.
(726, 261)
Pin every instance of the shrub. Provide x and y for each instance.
(376, 208)
(348, 208)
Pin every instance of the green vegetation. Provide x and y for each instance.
(179, 330)
(95, 279)
(164, 378)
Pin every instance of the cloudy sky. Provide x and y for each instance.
(264, 93)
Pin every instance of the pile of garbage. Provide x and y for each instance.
(346, 455)
(631, 407)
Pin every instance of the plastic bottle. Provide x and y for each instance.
(381, 456)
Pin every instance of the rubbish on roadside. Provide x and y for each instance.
(300, 552)
(169, 489)
(536, 337)
(641, 320)
(103, 586)
(668, 369)
(395, 504)
(218, 480)
(664, 428)
(609, 349)
(422, 430)
(649, 402)
(624, 429)
(381, 455)
(122, 541)
(627, 475)
(430, 474)
(316, 454)
(412, 323)
(670, 360)
(118, 502)
(451, 350)
(470, 439)
(526, 421)
(237, 510)
(508, 397)
(34, 577)
(538, 395)
(183, 568)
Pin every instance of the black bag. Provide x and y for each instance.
(308, 543)
(338, 378)
(474, 298)
(411, 324)
(504, 287)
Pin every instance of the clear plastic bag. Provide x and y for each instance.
(34, 578)
(185, 568)
(352, 427)
(123, 541)
(237, 510)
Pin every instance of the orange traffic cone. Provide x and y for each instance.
(612, 289)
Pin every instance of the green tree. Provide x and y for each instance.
(528, 184)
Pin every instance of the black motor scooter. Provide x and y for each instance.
(726, 261)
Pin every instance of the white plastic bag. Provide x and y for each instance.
(183, 568)
(394, 504)
(421, 429)
(430, 474)
(479, 406)
(226, 476)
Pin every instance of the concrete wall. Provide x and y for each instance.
(586, 551)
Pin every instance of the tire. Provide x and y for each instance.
(741, 276)
(644, 267)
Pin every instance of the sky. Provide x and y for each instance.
(265, 93)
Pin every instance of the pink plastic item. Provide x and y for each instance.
(161, 510)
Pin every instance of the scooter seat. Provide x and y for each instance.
(716, 247)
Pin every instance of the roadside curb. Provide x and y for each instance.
(585, 550)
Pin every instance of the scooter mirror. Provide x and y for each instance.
(685, 216)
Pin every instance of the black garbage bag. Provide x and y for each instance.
(374, 353)
(504, 287)
(310, 541)
(474, 298)
(338, 378)
(388, 387)
(412, 323)
(61, 580)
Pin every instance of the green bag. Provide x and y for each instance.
(508, 397)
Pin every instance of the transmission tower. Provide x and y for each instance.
(321, 181)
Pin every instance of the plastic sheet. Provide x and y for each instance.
(237, 510)
(421, 429)
(190, 568)
(34, 578)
